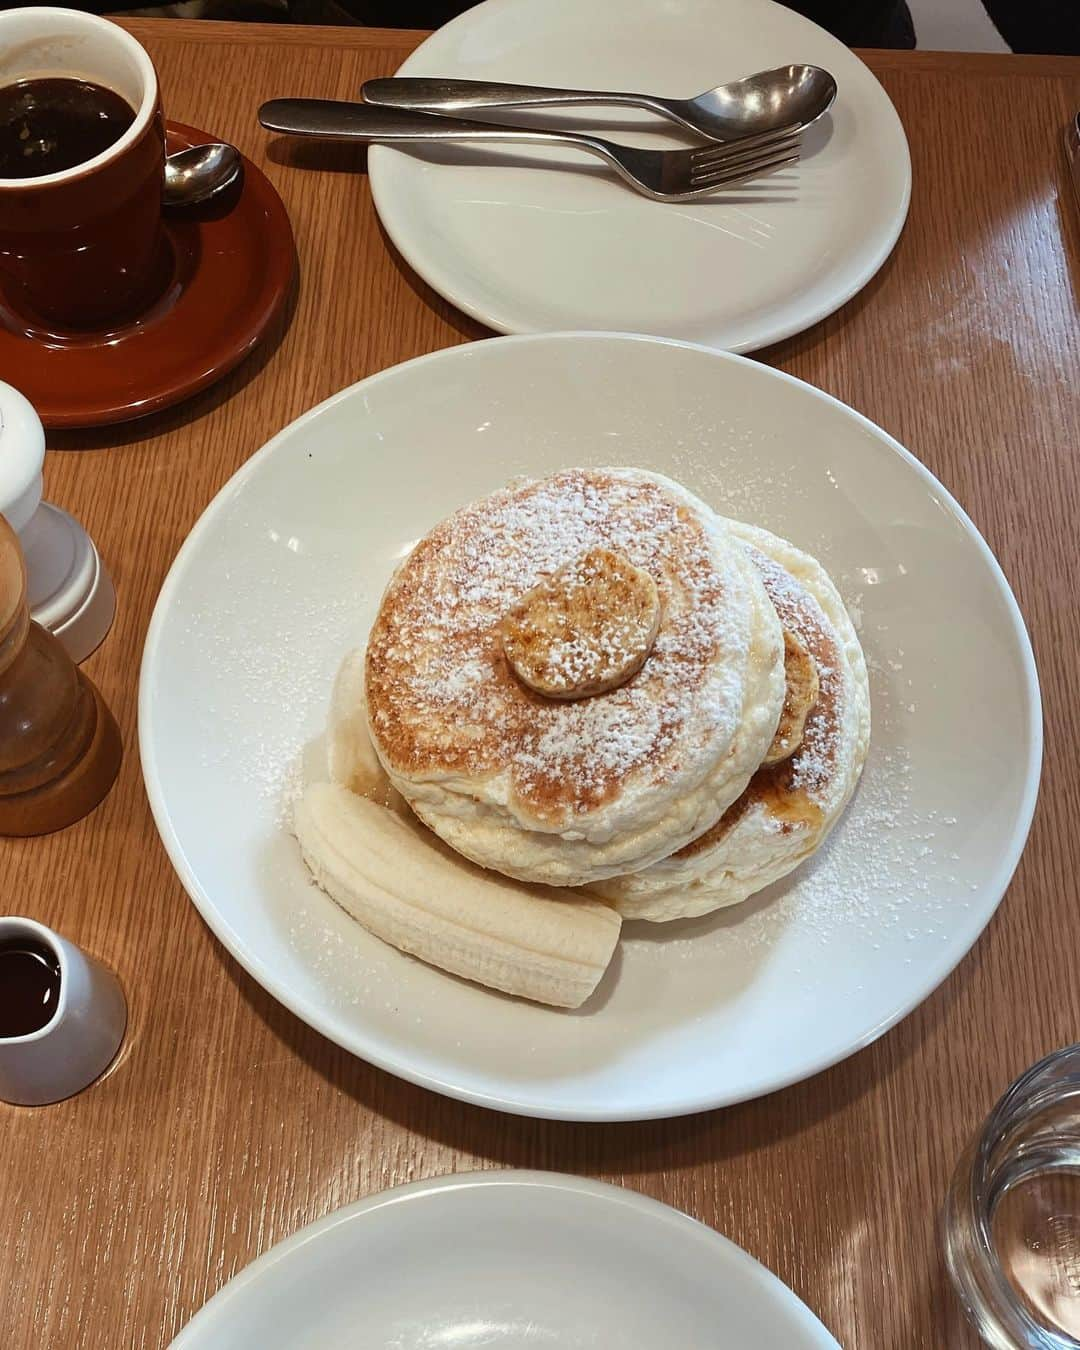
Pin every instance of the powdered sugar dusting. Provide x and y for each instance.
(867, 876)
(284, 682)
(443, 701)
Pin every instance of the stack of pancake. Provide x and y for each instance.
(611, 701)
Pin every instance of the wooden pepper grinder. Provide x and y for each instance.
(59, 745)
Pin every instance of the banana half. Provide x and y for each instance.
(406, 887)
(365, 849)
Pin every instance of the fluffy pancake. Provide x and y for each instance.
(789, 807)
(570, 790)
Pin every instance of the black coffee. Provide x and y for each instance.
(49, 125)
(29, 986)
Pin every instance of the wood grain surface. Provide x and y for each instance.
(227, 1123)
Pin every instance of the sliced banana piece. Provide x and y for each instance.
(350, 753)
(406, 887)
(584, 630)
(800, 694)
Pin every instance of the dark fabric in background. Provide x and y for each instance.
(1038, 25)
(859, 23)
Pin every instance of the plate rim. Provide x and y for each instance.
(626, 1197)
(517, 1102)
(382, 157)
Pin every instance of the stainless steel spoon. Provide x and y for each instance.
(767, 101)
(197, 174)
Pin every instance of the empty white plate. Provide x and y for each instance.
(283, 574)
(527, 249)
(506, 1259)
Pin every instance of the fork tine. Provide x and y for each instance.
(745, 165)
(762, 141)
(730, 176)
(738, 153)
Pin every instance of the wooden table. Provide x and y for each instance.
(227, 1123)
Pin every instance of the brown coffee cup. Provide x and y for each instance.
(83, 248)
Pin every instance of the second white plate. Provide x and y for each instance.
(539, 240)
(507, 1259)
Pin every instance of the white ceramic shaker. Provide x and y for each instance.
(70, 592)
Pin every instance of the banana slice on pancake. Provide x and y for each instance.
(801, 690)
(586, 629)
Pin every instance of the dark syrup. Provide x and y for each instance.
(29, 986)
(48, 125)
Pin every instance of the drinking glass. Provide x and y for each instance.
(1012, 1216)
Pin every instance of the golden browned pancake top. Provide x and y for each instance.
(443, 702)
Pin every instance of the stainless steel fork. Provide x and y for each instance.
(665, 175)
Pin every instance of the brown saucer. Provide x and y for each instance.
(226, 278)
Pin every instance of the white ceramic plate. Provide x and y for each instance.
(283, 574)
(506, 1259)
(527, 249)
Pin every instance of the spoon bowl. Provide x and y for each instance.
(199, 173)
(787, 96)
